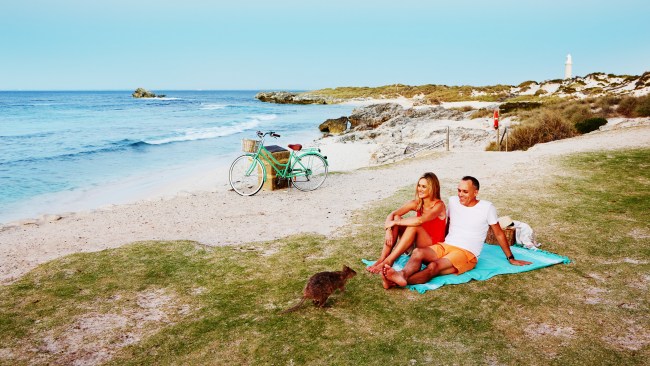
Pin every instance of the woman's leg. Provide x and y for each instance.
(397, 232)
(412, 234)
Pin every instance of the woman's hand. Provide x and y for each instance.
(388, 238)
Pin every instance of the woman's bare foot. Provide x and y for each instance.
(378, 266)
(393, 276)
(375, 268)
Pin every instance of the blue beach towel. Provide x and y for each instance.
(491, 263)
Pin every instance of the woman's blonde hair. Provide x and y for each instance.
(433, 188)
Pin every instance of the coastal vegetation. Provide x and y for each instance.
(429, 94)
(590, 124)
(592, 85)
(562, 118)
(180, 302)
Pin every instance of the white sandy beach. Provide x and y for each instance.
(221, 217)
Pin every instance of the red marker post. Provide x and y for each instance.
(496, 126)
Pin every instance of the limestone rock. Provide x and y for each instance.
(335, 126)
(373, 116)
(295, 98)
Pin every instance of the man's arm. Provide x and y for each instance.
(501, 239)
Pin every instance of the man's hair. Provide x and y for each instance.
(474, 181)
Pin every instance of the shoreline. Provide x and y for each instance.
(222, 217)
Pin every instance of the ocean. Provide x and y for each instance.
(64, 151)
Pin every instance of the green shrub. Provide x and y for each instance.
(511, 106)
(590, 124)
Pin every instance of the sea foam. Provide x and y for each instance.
(212, 107)
(194, 134)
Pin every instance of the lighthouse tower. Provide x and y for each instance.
(567, 67)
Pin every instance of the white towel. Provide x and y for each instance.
(525, 235)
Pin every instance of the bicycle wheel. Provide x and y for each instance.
(246, 175)
(310, 170)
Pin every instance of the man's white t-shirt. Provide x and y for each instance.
(468, 226)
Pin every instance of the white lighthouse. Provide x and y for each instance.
(567, 67)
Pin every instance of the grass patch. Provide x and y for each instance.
(433, 94)
(183, 303)
(482, 113)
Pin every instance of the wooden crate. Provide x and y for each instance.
(274, 182)
(511, 234)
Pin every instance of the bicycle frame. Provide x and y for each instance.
(283, 170)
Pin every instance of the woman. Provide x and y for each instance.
(424, 229)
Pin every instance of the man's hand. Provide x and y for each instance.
(516, 262)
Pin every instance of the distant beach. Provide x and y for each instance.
(81, 150)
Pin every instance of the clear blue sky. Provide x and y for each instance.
(244, 44)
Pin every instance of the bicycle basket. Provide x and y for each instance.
(250, 146)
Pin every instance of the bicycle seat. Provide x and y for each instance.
(296, 147)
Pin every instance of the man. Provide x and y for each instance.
(469, 220)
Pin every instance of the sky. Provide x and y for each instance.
(306, 45)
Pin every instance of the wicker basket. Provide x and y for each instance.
(250, 146)
(510, 232)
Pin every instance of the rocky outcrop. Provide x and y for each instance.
(295, 98)
(397, 132)
(143, 93)
(335, 126)
(372, 116)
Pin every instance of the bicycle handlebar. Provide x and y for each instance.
(270, 133)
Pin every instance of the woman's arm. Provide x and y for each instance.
(403, 210)
(438, 209)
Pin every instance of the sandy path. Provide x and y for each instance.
(224, 218)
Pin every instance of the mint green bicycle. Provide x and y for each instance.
(306, 169)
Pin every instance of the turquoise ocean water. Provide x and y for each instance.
(61, 150)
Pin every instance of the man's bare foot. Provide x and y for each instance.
(385, 281)
(392, 275)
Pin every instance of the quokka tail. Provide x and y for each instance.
(295, 307)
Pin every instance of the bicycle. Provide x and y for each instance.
(306, 170)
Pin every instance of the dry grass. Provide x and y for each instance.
(545, 127)
(557, 119)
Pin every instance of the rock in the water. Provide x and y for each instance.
(143, 93)
(335, 126)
